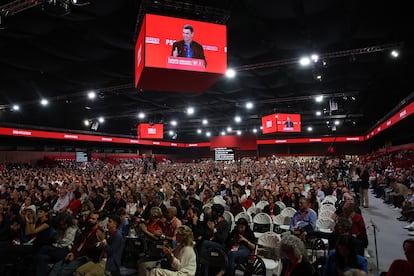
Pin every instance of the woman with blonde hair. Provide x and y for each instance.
(182, 258)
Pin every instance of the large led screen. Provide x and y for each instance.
(288, 122)
(166, 44)
(269, 124)
(150, 131)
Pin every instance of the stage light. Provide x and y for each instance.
(91, 95)
(173, 123)
(199, 131)
(101, 119)
(205, 121)
(86, 122)
(223, 133)
(318, 113)
(141, 115)
(239, 132)
(190, 110)
(304, 61)
(254, 130)
(44, 102)
(395, 53)
(208, 134)
(16, 107)
(314, 58)
(229, 129)
(249, 105)
(230, 73)
(237, 119)
(319, 99)
(310, 128)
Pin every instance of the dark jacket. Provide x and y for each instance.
(114, 250)
(196, 48)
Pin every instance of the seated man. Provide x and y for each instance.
(87, 247)
(304, 220)
(113, 248)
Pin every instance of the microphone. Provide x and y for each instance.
(374, 225)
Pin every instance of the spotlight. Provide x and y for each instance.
(230, 73)
(208, 133)
(205, 122)
(314, 58)
(239, 132)
(199, 131)
(16, 107)
(173, 123)
(101, 119)
(91, 95)
(319, 99)
(44, 102)
(249, 105)
(190, 110)
(229, 129)
(304, 61)
(318, 113)
(141, 115)
(237, 119)
(86, 122)
(223, 133)
(395, 53)
(254, 130)
(336, 122)
(310, 128)
(171, 133)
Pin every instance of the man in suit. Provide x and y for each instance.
(188, 47)
(288, 122)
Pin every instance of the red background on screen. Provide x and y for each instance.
(281, 118)
(143, 132)
(269, 124)
(166, 30)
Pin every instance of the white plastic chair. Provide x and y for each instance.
(325, 214)
(246, 216)
(288, 212)
(252, 211)
(330, 198)
(267, 248)
(325, 225)
(328, 207)
(280, 204)
(281, 222)
(262, 223)
(261, 204)
(228, 216)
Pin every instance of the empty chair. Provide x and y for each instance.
(328, 207)
(281, 223)
(288, 212)
(246, 216)
(262, 223)
(325, 224)
(228, 216)
(261, 205)
(280, 204)
(267, 247)
(325, 214)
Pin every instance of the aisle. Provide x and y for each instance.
(390, 236)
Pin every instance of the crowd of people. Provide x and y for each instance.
(77, 219)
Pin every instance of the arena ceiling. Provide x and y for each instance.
(47, 52)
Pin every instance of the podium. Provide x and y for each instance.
(182, 63)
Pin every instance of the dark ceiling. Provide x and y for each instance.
(61, 57)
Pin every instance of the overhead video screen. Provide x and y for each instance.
(182, 44)
(150, 131)
(288, 122)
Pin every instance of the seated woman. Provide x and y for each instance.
(344, 258)
(272, 209)
(182, 259)
(240, 243)
(293, 253)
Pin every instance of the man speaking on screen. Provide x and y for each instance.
(188, 47)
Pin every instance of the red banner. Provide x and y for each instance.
(149, 131)
(400, 115)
